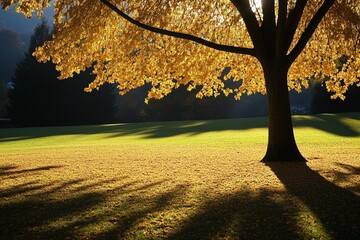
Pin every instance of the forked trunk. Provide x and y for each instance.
(281, 140)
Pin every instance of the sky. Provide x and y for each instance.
(24, 27)
(17, 22)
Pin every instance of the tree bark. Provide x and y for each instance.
(281, 141)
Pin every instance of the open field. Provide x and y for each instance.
(180, 180)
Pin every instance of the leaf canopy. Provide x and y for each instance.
(171, 42)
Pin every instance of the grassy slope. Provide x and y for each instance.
(180, 180)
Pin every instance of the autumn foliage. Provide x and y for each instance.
(271, 46)
(88, 33)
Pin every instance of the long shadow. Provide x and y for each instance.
(337, 208)
(147, 130)
(26, 207)
(27, 219)
(34, 210)
(271, 214)
(10, 170)
(139, 208)
(64, 210)
(242, 215)
(329, 123)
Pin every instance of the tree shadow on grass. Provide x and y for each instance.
(348, 173)
(337, 208)
(271, 214)
(11, 170)
(242, 215)
(28, 219)
(36, 211)
(73, 208)
(328, 123)
(139, 209)
(146, 130)
(76, 209)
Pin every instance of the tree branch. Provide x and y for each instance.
(268, 8)
(220, 47)
(310, 29)
(252, 26)
(293, 22)
(268, 25)
(280, 28)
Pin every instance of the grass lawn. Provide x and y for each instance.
(180, 180)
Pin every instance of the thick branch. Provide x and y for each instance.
(180, 35)
(280, 28)
(310, 29)
(268, 25)
(293, 21)
(252, 26)
(268, 8)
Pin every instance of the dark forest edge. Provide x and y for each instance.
(37, 98)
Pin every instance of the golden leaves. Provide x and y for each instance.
(323, 58)
(27, 7)
(88, 34)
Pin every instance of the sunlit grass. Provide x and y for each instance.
(179, 180)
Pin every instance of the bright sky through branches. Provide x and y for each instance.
(256, 7)
(256, 3)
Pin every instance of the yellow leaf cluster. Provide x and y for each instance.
(89, 34)
(338, 36)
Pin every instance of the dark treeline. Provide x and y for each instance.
(181, 104)
(11, 50)
(321, 101)
(38, 98)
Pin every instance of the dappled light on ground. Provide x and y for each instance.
(346, 124)
(166, 195)
(190, 186)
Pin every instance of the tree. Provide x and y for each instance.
(3, 92)
(38, 98)
(322, 103)
(11, 49)
(271, 46)
(180, 104)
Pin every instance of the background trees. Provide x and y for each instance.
(180, 104)
(38, 98)
(11, 49)
(322, 103)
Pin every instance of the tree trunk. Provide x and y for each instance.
(281, 140)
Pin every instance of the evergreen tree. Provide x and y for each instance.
(38, 98)
(3, 91)
(11, 49)
(180, 104)
(322, 103)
